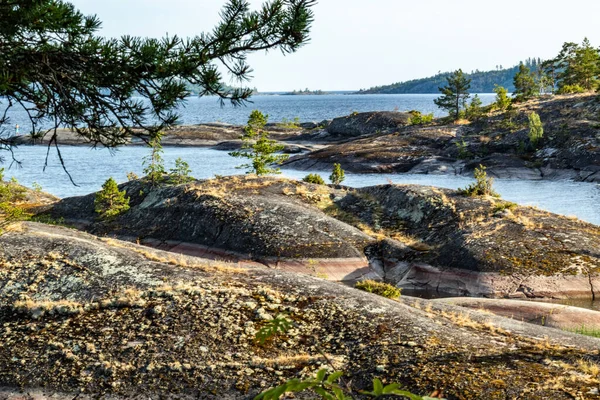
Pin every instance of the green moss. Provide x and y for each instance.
(379, 288)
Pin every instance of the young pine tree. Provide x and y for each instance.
(525, 85)
(454, 94)
(259, 148)
(474, 110)
(337, 175)
(154, 166)
(502, 99)
(110, 202)
(181, 172)
(536, 129)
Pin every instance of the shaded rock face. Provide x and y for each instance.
(96, 318)
(441, 241)
(252, 217)
(368, 123)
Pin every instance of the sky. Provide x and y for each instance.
(359, 44)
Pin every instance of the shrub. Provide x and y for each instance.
(1, 174)
(536, 129)
(463, 152)
(505, 205)
(259, 148)
(181, 172)
(380, 288)
(417, 118)
(502, 99)
(290, 124)
(482, 186)
(337, 175)
(474, 112)
(314, 178)
(110, 202)
(132, 176)
(569, 89)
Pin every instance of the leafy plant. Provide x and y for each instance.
(181, 172)
(132, 176)
(482, 185)
(502, 99)
(505, 205)
(290, 124)
(259, 148)
(380, 288)
(154, 167)
(536, 129)
(277, 325)
(337, 175)
(314, 178)
(570, 89)
(36, 186)
(110, 202)
(474, 111)
(328, 387)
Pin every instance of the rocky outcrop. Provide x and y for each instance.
(368, 123)
(89, 317)
(569, 148)
(417, 237)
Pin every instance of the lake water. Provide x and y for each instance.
(307, 108)
(90, 168)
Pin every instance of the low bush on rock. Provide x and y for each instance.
(337, 175)
(482, 185)
(380, 288)
(110, 202)
(313, 178)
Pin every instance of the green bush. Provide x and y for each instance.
(502, 99)
(313, 178)
(417, 118)
(570, 89)
(474, 111)
(181, 172)
(110, 202)
(536, 129)
(482, 186)
(154, 167)
(380, 288)
(463, 152)
(337, 175)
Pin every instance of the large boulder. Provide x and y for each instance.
(368, 123)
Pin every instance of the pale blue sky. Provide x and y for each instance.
(359, 43)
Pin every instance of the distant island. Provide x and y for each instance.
(481, 81)
(305, 92)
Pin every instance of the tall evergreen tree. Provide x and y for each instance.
(525, 85)
(587, 66)
(454, 94)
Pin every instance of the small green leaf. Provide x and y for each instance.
(335, 376)
(321, 375)
(377, 387)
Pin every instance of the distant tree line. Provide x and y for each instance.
(575, 69)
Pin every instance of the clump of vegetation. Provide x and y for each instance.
(181, 173)
(583, 330)
(337, 175)
(474, 111)
(154, 167)
(502, 100)
(277, 326)
(504, 205)
(290, 124)
(380, 288)
(525, 84)
(483, 185)
(259, 148)
(509, 119)
(110, 202)
(536, 129)
(11, 193)
(463, 152)
(132, 176)
(313, 178)
(418, 118)
(570, 89)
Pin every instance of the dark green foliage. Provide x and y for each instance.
(463, 152)
(481, 81)
(474, 111)
(110, 202)
(11, 193)
(154, 167)
(337, 175)
(502, 99)
(329, 387)
(570, 89)
(525, 85)
(454, 94)
(482, 186)
(181, 172)
(259, 148)
(536, 129)
(314, 178)
(52, 60)
(418, 118)
(575, 69)
(380, 288)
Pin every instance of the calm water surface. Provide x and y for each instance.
(90, 168)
